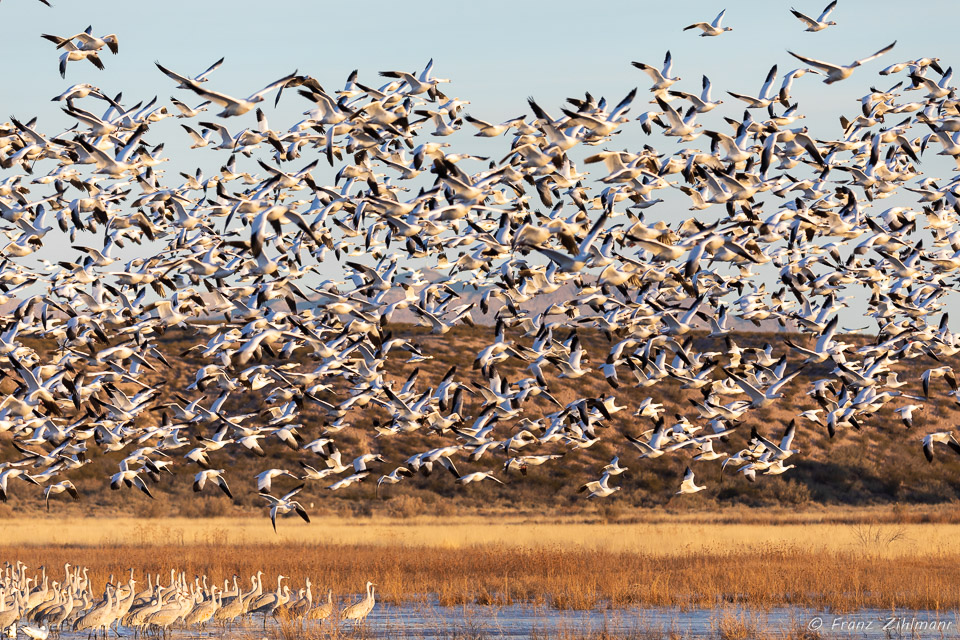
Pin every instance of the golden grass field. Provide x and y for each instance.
(805, 559)
(663, 534)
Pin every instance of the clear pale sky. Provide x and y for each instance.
(497, 55)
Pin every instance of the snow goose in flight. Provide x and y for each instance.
(72, 54)
(275, 216)
(599, 488)
(285, 505)
(710, 28)
(424, 83)
(130, 477)
(477, 476)
(394, 477)
(86, 41)
(688, 485)
(117, 166)
(906, 414)
(202, 77)
(778, 468)
(523, 463)
(825, 348)
(734, 151)
(700, 104)
(328, 111)
(198, 140)
(187, 112)
(897, 67)
(213, 475)
(231, 106)
(584, 256)
(766, 96)
(653, 447)
(98, 127)
(348, 481)
(787, 84)
(488, 130)
(836, 73)
(820, 23)
(78, 91)
(614, 468)
(759, 399)
(813, 415)
(661, 78)
(943, 437)
(944, 372)
(936, 90)
(265, 478)
(707, 452)
(60, 487)
(649, 409)
(679, 126)
(601, 126)
(360, 462)
(311, 473)
(783, 450)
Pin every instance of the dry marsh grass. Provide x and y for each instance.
(558, 577)
(663, 536)
(841, 567)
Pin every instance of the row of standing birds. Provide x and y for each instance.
(238, 260)
(38, 605)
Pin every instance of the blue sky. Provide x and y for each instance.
(497, 55)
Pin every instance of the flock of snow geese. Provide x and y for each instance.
(40, 604)
(789, 227)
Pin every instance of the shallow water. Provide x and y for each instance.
(522, 621)
(431, 621)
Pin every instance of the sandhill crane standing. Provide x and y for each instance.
(203, 611)
(230, 610)
(9, 616)
(168, 615)
(299, 608)
(125, 603)
(137, 617)
(99, 618)
(268, 602)
(32, 615)
(54, 616)
(322, 611)
(360, 610)
(249, 597)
